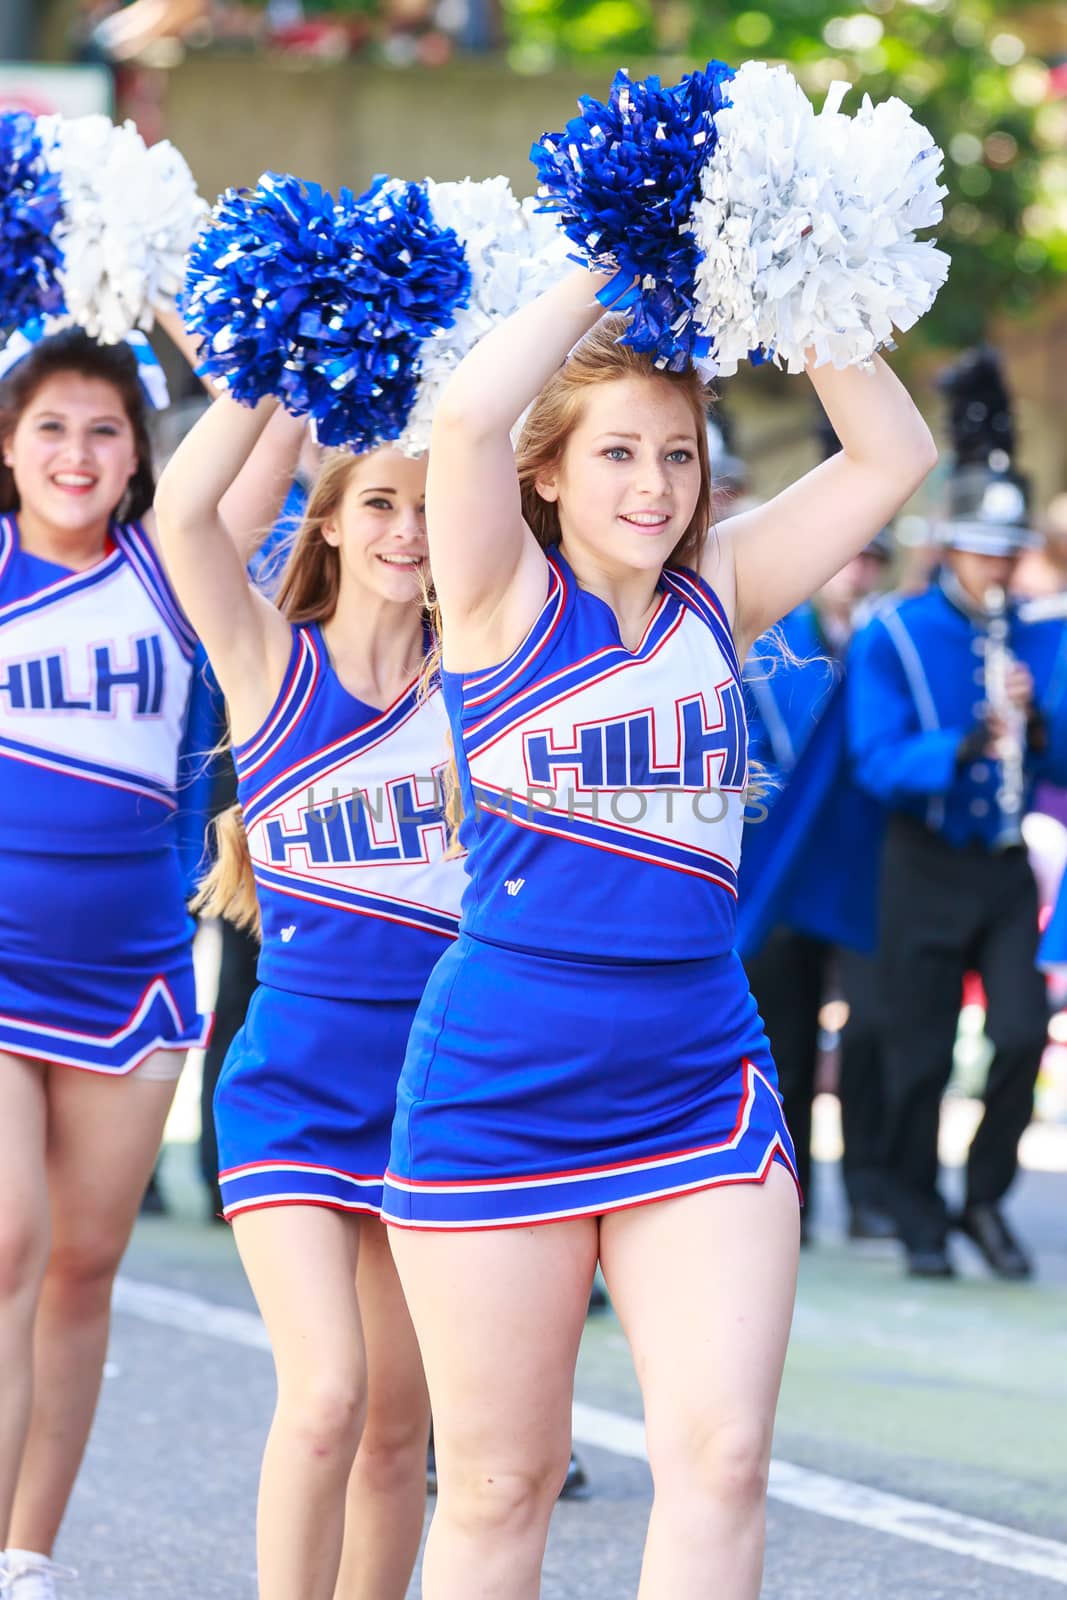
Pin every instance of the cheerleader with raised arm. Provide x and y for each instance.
(337, 850)
(343, 869)
(588, 1077)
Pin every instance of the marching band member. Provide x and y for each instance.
(957, 707)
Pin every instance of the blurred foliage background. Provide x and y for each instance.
(989, 79)
(984, 77)
(974, 72)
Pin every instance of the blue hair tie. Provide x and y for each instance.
(150, 375)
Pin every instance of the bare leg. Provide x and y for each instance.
(301, 1263)
(23, 1252)
(704, 1288)
(387, 1489)
(103, 1139)
(499, 1315)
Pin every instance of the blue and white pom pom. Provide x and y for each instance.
(30, 210)
(622, 179)
(130, 213)
(355, 312)
(324, 303)
(514, 254)
(806, 226)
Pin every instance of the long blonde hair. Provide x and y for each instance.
(307, 592)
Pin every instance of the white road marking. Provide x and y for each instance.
(854, 1502)
(816, 1492)
(176, 1308)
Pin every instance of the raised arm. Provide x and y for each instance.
(774, 556)
(170, 320)
(254, 501)
(246, 639)
(488, 570)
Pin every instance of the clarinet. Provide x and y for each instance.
(1011, 746)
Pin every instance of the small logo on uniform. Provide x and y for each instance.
(513, 885)
(287, 933)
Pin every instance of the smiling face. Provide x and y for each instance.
(379, 529)
(629, 478)
(72, 453)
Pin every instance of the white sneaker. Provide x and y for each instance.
(31, 1576)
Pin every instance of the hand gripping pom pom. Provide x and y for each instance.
(806, 229)
(514, 254)
(31, 207)
(623, 178)
(324, 303)
(130, 214)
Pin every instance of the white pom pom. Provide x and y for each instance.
(807, 225)
(131, 215)
(514, 253)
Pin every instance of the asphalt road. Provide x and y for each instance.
(952, 1396)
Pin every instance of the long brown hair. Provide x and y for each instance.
(71, 350)
(549, 423)
(554, 415)
(600, 358)
(308, 588)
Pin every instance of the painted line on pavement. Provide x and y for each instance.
(855, 1502)
(816, 1492)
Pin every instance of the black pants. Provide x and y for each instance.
(237, 979)
(860, 1087)
(789, 980)
(945, 912)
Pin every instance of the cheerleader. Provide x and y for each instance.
(339, 742)
(97, 999)
(587, 1075)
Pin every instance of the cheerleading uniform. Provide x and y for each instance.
(342, 810)
(95, 943)
(590, 1041)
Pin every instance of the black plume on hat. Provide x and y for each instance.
(988, 501)
(979, 410)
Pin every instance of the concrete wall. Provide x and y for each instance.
(233, 117)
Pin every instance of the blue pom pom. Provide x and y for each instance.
(623, 178)
(31, 208)
(324, 303)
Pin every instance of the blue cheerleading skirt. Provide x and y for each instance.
(96, 964)
(305, 1101)
(537, 1088)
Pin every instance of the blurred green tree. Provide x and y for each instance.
(994, 107)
